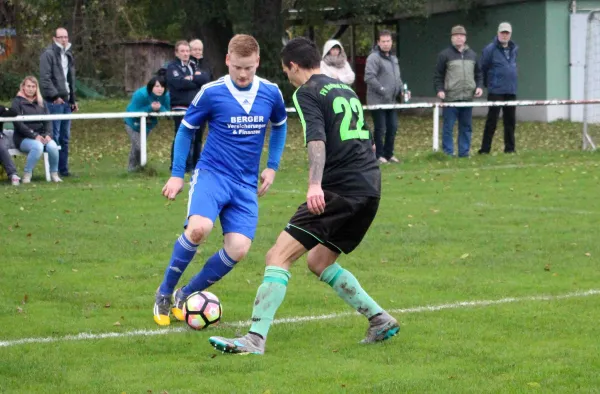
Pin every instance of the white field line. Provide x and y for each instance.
(301, 319)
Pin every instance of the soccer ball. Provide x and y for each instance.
(201, 309)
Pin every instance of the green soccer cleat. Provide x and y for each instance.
(248, 344)
(381, 327)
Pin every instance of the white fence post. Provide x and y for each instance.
(436, 127)
(143, 156)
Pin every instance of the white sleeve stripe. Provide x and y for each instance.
(189, 126)
(201, 92)
(280, 123)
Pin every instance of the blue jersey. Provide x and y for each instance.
(237, 121)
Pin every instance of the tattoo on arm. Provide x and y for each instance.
(316, 161)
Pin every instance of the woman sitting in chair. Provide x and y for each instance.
(36, 136)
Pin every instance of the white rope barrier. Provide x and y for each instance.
(434, 105)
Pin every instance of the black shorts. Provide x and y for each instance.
(340, 228)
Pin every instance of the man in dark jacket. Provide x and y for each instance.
(57, 85)
(183, 84)
(499, 67)
(384, 85)
(457, 78)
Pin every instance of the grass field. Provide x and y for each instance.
(503, 249)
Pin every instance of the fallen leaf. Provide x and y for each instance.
(74, 270)
(464, 256)
(19, 309)
(56, 242)
(25, 299)
(22, 209)
(588, 254)
(117, 323)
(547, 267)
(335, 351)
(533, 384)
(107, 305)
(10, 228)
(213, 355)
(29, 235)
(67, 211)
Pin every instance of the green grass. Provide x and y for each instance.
(88, 253)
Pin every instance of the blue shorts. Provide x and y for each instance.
(213, 194)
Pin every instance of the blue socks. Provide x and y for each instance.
(216, 267)
(183, 252)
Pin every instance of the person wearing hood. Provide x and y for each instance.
(335, 64)
(34, 137)
(57, 85)
(384, 85)
(499, 67)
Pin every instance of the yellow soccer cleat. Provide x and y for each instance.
(162, 307)
(178, 301)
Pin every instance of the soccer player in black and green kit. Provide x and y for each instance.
(344, 188)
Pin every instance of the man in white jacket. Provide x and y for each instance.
(335, 64)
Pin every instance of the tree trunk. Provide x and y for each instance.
(216, 35)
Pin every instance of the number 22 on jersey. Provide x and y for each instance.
(341, 104)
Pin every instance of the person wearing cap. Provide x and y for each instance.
(457, 78)
(499, 67)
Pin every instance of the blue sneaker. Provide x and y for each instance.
(381, 327)
(248, 344)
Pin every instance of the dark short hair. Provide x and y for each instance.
(157, 78)
(301, 51)
(384, 33)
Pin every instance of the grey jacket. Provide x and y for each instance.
(382, 76)
(52, 78)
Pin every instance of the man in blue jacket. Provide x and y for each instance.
(499, 66)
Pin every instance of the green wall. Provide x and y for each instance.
(557, 50)
(421, 40)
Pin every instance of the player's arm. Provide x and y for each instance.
(277, 138)
(195, 116)
(311, 117)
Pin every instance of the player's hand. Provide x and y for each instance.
(478, 92)
(267, 177)
(315, 200)
(441, 95)
(172, 187)
(47, 139)
(155, 106)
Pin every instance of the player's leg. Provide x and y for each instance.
(203, 207)
(322, 262)
(239, 218)
(269, 297)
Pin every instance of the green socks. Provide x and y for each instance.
(269, 296)
(348, 288)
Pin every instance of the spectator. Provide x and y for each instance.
(35, 136)
(457, 78)
(150, 98)
(183, 86)
(384, 84)
(57, 85)
(335, 62)
(201, 64)
(5, 158)
(499, 68)
(202, 75)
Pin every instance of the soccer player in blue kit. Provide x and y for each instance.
(238, 108)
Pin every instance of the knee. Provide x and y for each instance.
(195, 234)
(237, 251)
(36, 149)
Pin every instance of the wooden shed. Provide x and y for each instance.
(142, 59)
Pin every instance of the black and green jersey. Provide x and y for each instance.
(331, 112)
